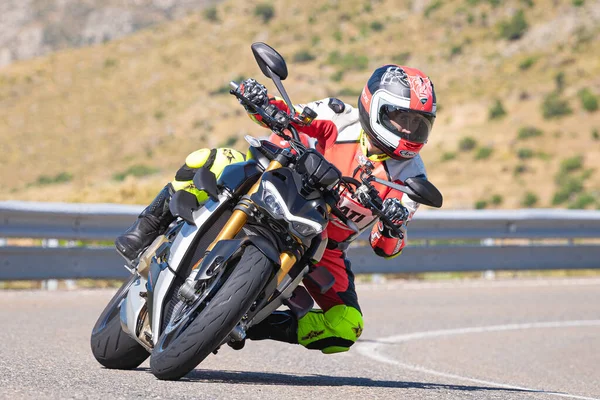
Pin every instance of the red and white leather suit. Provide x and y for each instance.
(339, 135)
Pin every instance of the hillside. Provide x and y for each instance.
(32, 28)
(112, 123)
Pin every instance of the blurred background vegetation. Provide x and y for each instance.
(100, 101)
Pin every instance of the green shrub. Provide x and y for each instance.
(159, 115)
(528, 3)
(519, 169)
(211, 14)
(568, 186)
(569, 165)
(349, 92)
(337, 76)
(348, 61)
(529, 200)
(595, 134)
(494, 3)
(467, 143)
(135, 170)
(110, 62)
(497, 110)
(554, 106)
(578, 3)
(303, 56)
(524, 153)
(456, 50)
(588, 100)
(230, 142)
(515, 27)
(582, 201)
(449, 155)
(496, 199)
(527, 132)
(527, 63)
(483, 153)
(265, 11)
(481, 204)
(338, 36)
(401, 58)
(559, 81)
(377, 26)
(434, 5)
(62, 177)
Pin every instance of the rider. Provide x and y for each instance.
(395, 114)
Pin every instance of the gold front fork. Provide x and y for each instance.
(238, 218)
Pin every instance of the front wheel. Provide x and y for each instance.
(189, 339)
(112, 347)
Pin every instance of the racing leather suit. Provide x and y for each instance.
(341, 140)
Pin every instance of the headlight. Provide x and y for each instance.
(303, 229)
(278, 209)
(271, 202)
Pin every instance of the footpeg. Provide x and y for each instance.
(321, 277)
(300, 303)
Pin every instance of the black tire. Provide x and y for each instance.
(215, 321)
(112, 347)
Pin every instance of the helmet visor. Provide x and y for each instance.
(406, 124)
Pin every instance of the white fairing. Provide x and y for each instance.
(133, 303)
(131, 306)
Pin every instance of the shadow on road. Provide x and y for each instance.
(267, 378)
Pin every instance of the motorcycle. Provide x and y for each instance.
(227, 264)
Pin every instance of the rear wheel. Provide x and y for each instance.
(195, 332)
(112, 347)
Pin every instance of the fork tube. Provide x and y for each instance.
(287, 261)
(238, 218)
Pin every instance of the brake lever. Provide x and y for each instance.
(388, 223)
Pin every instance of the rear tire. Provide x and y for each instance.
(112, 347)
(212, 325)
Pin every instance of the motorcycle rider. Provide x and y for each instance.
(395, 114)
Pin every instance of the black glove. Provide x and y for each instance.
(255, 92)
(395, 211)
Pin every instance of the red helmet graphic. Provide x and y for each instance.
(397, 109)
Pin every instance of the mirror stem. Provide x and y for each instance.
(282, 91)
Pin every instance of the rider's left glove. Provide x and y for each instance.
(398, 214)
(255, 92)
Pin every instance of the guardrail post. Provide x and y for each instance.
(50, 284)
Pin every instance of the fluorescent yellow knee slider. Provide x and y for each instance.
(331, 332)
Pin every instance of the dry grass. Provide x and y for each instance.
(145, 99)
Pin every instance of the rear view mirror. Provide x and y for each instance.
(269, 59)
(424, 192)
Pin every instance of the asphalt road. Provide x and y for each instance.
(469, 340)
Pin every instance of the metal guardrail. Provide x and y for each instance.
(438, 228)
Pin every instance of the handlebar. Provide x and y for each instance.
(278, 121)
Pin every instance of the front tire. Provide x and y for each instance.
(112, 347)
(211, 326)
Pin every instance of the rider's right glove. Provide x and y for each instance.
(255, 92)
(398, 214)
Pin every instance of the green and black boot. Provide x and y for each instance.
(153, 221)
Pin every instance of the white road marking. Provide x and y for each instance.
(476, 283)
(370, 349)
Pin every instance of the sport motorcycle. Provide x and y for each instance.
(225, 265)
